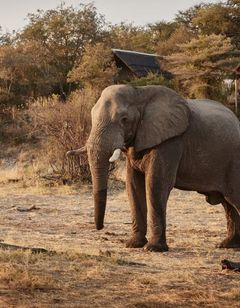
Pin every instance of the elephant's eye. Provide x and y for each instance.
(124, 120)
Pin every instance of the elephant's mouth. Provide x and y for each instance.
(128, 140)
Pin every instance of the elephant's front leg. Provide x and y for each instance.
(159, 179)
(137, 199)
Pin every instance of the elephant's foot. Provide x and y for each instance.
(136, 242)
(233, 242)
(160, 247)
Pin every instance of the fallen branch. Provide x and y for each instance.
(230, 265)
(23, 209)
(5, 246)
(51, 177)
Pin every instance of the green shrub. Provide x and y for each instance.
(151, 79)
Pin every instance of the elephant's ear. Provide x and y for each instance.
(165, 115)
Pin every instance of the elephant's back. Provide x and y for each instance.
(210, 108)
(214, 117)
(211, 144)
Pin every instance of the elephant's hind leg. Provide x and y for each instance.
(233, 227)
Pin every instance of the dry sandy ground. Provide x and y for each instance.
(94, 269)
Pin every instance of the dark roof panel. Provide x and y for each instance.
(139, 63)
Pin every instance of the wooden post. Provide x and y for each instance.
(237, 89)
(236, 96)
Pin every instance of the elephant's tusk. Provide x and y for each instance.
(77, 152)
(115, 156)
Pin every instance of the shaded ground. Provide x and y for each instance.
(93, 268)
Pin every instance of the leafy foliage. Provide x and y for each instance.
(129, 37)
(179, 36)
(151, 79)
(96, 69)
(202, 64)
(46, 50)
(64, 55)
(66, 48)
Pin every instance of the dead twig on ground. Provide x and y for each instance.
(16, 247)
(23, 209)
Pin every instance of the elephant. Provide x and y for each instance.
(169, 142)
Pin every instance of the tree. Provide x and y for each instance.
(62, 35)
(129, 37)
(234, 29)
(212, 19)
(23, 73)
(185, 18)
(202, 64)
(5, 38)
(218, 18)
(162, 31)
(96, 68)
(12, 67)
(179, 36)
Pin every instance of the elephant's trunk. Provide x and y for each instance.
(100, 200)
(99, 166)
(103, 147)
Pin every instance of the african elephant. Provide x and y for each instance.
(168, 142)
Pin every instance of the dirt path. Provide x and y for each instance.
(93, 268)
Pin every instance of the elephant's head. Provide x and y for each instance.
(141, 117)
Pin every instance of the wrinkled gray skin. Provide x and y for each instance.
(169, 142)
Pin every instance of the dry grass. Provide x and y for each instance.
(62, 127)
(93, 268)
(35, 140)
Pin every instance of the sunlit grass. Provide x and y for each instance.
(87, 268)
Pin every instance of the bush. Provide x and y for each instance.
(152, 79)
(96, 69)
(62, 127)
